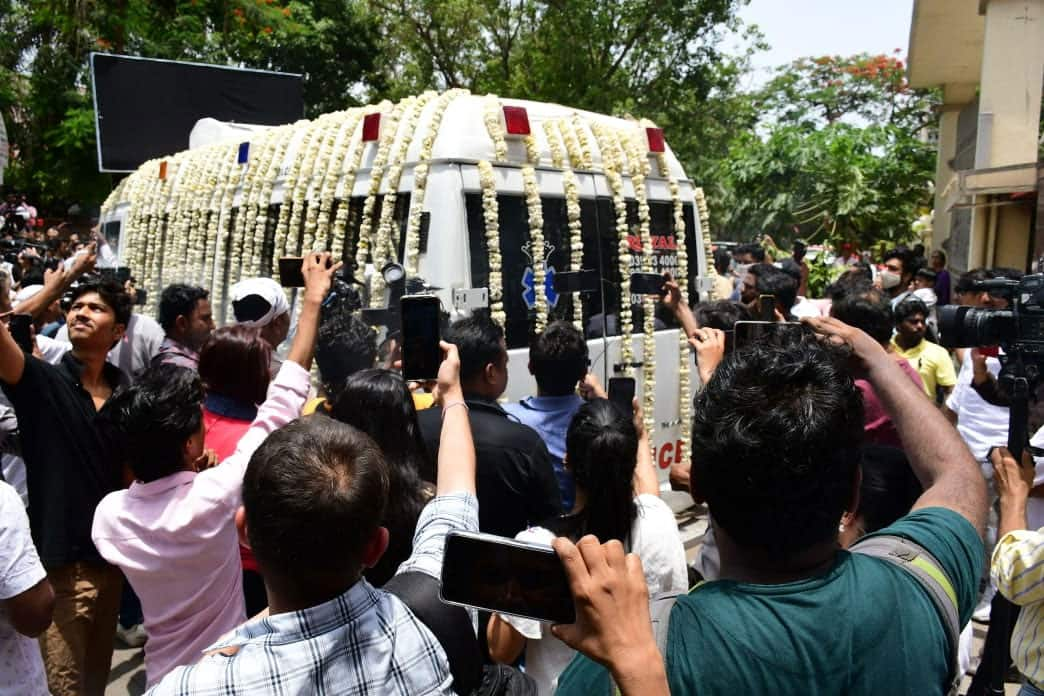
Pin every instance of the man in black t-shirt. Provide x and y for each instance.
(517, 487)
(72, 462)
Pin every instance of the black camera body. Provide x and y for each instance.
(1020, 328)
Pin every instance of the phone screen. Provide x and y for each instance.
(775, 332)
(647, 283)
(507, 576)
(421, 355)
(290, 275)
(621, 393)
(19, 326)
(767, 307)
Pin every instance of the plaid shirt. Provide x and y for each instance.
(364, 641)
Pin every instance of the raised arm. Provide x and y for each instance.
(1017, 567)
(645, 480)
(673, 300)
(456, 466)
(12, 359)
(59, 280)
(940, 459)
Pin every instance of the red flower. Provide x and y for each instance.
(286, 11)
(267, 30)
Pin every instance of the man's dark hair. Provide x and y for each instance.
(907, 308)
(558, 358)
(775, 445)
(848, 283)
(755, 250)
(791, 268)
(312, 475)
(112, 294)
(904, 256)
(772, 281)
(941, 254)
(1007, 272)
(478, 340)
(346, 345)
(722, 258)
(235, 362)
(155, 416)
(800, 248)
(869, 311)
(178, 300)
(926, 273)
(968, 279)
(721, 315)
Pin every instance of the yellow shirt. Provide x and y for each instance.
(932, 362)
(1017, 569)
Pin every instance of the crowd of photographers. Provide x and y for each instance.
(190, 485)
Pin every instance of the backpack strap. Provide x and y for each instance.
(914, 559)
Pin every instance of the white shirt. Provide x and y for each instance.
(654, 538)
(21, 667)
(982, 425)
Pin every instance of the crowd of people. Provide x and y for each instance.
(189, 487)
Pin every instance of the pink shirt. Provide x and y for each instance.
(878, 427)
(175, 540)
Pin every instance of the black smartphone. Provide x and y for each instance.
(778, 333)
(20, 326)
(584, 280)
(767, 307)
(621, 393)
(506, 576)
(648, 284)
(290, 275)
(421, 355)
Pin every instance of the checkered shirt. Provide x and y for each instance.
(365, 641)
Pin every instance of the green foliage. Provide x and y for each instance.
(44, 81)
(838, 156)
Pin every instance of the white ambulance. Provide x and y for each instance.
(451, 134)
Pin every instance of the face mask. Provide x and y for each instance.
(889, 279)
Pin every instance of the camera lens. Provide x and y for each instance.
(968, 327)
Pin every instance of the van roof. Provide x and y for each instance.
(462, 133)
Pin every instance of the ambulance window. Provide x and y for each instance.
(516, 262)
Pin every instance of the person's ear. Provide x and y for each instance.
(375, 548)
(241, 527)
(118, 331)
(181, 324)
(490, 373)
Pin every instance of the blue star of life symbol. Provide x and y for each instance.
(529, 287)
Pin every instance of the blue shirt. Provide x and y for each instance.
(550, 416)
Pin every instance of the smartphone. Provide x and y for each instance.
(647, 284)
(421, 355)
(585, 280)
(778, 333)
(290, 275)
(767, 307)
(20, 326)
(506, 576)
(621, 393)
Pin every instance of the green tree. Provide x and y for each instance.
(664, 60)
(839, 155)
(44, 80)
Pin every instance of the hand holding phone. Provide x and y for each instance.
(506, 576)
(648, 284)
(421, 354)
(767, 307)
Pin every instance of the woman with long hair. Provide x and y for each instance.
(379, 403)
(617, 497)
(234, 367)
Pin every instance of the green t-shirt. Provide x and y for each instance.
(865, 627)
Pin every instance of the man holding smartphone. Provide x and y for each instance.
(795, 614)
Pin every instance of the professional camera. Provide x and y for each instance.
(1020, 328)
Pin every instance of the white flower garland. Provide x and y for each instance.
(572, 145)
(218, 188)
(586, 160)
(250, 173)
(491, 218)
(349, 172)
(290, 186)
(571, 188)
(280, 141)
(376, 245)
(315, 190)
(491, 117)
(611, 165)
(223, 239)
(535, 211)
(306, 208)
(554, 144)
(420, 182)
(332, 174)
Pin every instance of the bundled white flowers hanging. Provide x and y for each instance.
(491, 219)
(376, 176)
(535, 211)
(491, 117)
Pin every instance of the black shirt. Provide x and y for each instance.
(71, 456)
(515, 481)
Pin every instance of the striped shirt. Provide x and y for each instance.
(1018, 572)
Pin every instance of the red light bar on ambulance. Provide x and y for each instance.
(371, 127)
(655, 138)
(516, 120)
